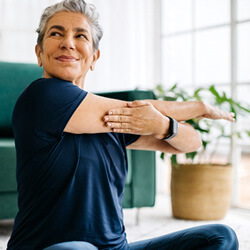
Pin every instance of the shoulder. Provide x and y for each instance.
(49, 83)
(53, 88)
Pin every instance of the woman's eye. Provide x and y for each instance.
(82, 36)
(55, 34)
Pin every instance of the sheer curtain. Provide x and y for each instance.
(128, 57)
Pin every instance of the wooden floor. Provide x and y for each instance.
(244, 181)
(158, 220)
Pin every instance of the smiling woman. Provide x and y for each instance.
(67, 49)
(71, 146)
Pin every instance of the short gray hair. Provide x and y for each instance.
(80, 6)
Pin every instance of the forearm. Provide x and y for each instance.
(181, 111)
(187, 140)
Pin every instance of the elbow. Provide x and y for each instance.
(196, 143)
(189, 139)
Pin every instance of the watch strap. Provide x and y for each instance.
(173, 129)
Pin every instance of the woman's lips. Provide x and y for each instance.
(64, 58)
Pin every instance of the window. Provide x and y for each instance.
(206, 42)
(18, 22)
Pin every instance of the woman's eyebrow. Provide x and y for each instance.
(78, 29)
(59, 27)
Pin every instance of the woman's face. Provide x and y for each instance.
(67, 51)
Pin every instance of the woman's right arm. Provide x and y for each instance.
(88, 117)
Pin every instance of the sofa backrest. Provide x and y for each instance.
(14, 78)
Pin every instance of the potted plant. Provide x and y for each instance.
(201, 186)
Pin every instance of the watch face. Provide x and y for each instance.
(173, 129)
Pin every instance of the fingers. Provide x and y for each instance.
(120, 120)
(123, 130)
(119, 124)
(139, 117)
(219, 114)
(122, 127)
(230, 117)
(120, 111)
(117, 118)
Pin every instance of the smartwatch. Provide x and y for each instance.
(173, 129)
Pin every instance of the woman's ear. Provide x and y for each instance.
(38, 55)
(96, 56)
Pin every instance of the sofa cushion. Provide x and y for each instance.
(8, 206)
(14, 78)
(7, 166)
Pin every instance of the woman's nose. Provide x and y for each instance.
(67, 43)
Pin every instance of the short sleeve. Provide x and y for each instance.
(129, 138)
(51, 103)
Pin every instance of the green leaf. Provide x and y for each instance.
(224, 97)
(160, 89)
(174, 87)
(204, 144)
(214, 91)
(238, 135)
(191, 155)
(169, 98)
(241, 107)
(196, 94)
(232, 109)
(174, 160)
(195, 123)
(162, 156)
(218, 98)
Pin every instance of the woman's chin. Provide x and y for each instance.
(66, 77)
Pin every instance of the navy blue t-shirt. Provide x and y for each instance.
(70, 186)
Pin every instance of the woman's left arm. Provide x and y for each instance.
(143, 119)
(187, 140)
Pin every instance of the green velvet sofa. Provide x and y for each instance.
(14, 77)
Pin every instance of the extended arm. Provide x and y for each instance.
(145, 120)
(142, 118)
(183, 111)
(88, 118)
(133, 118)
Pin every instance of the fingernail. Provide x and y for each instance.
(109, 124)
(106, 118)
(111, 112)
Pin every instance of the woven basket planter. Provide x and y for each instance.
(201, 192)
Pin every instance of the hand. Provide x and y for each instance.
(139, 117)
(216, 114)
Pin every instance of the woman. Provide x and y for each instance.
(71, 169)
